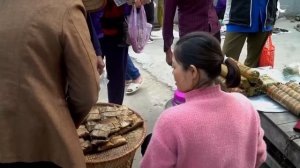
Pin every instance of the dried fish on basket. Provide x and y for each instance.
(86, 146)
(82, 132)
(115, 141)
(105, 125)
(284, 99)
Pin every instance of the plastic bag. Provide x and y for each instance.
(291, 69)
(267, 54)
(138, 29)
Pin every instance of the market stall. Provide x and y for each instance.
(279, 119)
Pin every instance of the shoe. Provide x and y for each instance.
(150, 40)
(127, 82)
(133, 87)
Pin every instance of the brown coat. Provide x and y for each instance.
(44, 44)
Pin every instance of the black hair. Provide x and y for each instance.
(204, 52)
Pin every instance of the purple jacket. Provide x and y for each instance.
(193, 15)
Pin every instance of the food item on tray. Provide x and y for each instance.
(82, 132)
(101, 131)
(114, 142)
(86, 146)
(94, 115)
(104, 126)
(90, 125)
(136, 122)
(289, 91)
(97, 142)
(290, 103)
(294, 86)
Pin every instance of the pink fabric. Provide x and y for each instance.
(212, 129)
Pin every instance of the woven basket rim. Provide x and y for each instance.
(127, 152)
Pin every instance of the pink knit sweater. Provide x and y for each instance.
(213, 129)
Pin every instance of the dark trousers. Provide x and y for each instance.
(29, 165)
(149, 9)
(116, 62)
(234, 43)
(132, 73)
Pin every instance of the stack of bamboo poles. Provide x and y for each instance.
(288, 95)
(252, 83)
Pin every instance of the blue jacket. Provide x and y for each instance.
(250, 15)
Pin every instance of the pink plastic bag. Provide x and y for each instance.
(138, 29)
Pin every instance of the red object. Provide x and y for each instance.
(267, 54)
(297, 127)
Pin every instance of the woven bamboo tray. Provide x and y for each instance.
(122, 156)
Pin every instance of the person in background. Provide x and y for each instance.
(111, 30)
(160, 12)
(149, 9)
(254, 23)
(134, 79)
(95, 36)
(49, 82)
(213, 128)
(193, 16)
(220, 8)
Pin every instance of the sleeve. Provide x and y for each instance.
(261, 147)
(80, 63)
(162, 149)
(94, 37)
(170, 10)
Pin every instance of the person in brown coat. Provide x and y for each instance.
(45, 52)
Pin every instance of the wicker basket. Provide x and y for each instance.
(122, 156)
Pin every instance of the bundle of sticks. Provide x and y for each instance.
(104, 127)
(252, 83)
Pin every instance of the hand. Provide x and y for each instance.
(169, 56)
(138, 3)
(100, 65)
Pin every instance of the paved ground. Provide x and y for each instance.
(159, 84)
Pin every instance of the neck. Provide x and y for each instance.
(203, 80)
(204, 84)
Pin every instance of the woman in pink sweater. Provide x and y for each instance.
(213, 129)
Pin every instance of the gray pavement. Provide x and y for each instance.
(158, 85)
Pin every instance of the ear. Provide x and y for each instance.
(194, 71)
